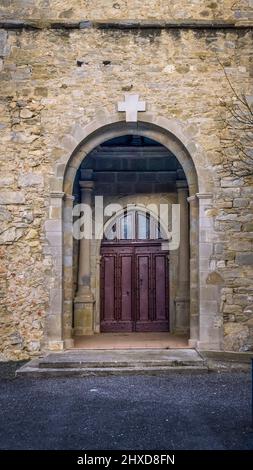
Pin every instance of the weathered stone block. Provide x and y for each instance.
(32, 233)
(240, 202)
(236, 336)
(242, 245)
(232, 309)
(231, 182)
(215, 279)
(248, 227)
(26, 113)
(30, 179)
(8, 236)
(244, 258)
(41, 91)
(12, 197)
(28, 217)
(6, 181)
(219, 248)
(15, 339)
(5, 215)
(3, 43)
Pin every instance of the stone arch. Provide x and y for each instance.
(179, 139)
(170, 133)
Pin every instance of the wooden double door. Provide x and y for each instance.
(134, 287)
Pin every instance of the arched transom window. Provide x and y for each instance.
(134, 225)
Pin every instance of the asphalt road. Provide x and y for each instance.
(176, 412)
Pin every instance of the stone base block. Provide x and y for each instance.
(182, 323)
(83, 316)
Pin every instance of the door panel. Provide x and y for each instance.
(134, 287)
(143, 278)
(109, 288)
(117, 300)
(125, 288)
(160, 284)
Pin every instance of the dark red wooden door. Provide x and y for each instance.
(134, 287)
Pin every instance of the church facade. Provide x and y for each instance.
(128, 104)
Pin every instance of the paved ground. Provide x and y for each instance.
(211, 411)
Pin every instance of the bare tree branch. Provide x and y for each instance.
(237, 143)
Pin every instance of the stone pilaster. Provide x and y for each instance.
(68, 271)
(182, 296)
(54, 236)
(210, 320)
(194, 270)
(84, 300)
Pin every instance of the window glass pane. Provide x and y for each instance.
(126, 227)
(135, 225)
(155, 229)
(143, 227)
(111, 234)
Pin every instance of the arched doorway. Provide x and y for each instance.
(206, 330)
(134, 274)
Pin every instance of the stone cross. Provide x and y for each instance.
(131, 106)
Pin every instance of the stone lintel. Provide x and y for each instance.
(39, 24)
(173, 24)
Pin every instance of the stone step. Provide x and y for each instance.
(113, 365)
(85, 363)
(36, 372)
(121, 358)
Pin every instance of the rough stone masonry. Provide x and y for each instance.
(61, 63)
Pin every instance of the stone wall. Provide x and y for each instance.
(52, 80)
(127, 9)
